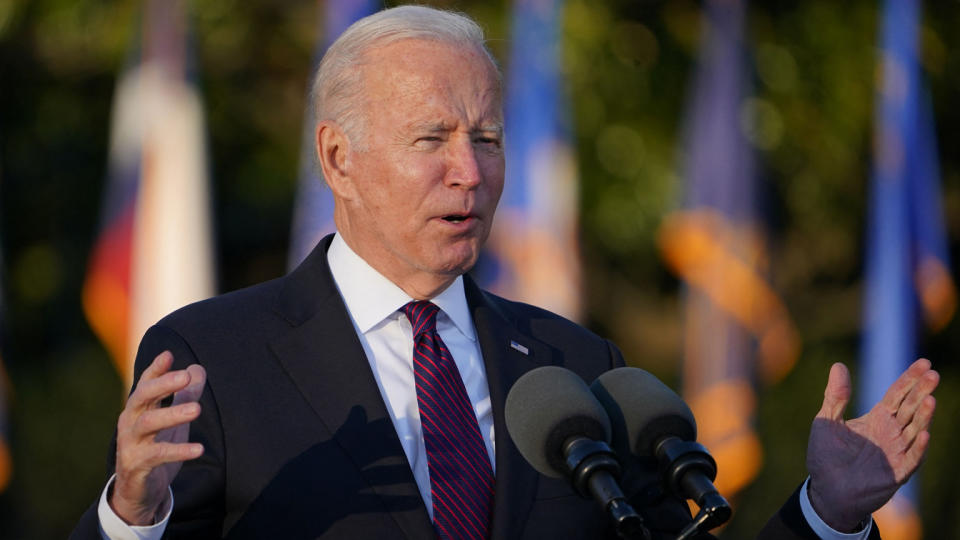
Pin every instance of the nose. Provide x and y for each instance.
(463, 167)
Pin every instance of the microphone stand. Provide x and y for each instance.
(689, 471)
(594, 470)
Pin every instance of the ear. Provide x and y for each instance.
(333, 153)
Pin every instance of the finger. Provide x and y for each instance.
(921, 420)
(913, 456)
(898, 390)
(164, 452)
(150, 392)
(160, 365)
(923, 388)
(837, 394)
(192, 391)
(153, 421)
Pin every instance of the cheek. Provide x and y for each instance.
(493, 171)
(414, 173)
(391, 187)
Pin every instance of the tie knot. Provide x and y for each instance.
(422, 315)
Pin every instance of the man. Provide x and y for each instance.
(309, 400)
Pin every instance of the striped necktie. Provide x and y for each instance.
(461, 479)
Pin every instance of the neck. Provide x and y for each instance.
(422, 289)
(418, 284)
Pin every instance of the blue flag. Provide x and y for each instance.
(907, 272)
(737, 330)
(313, 209)
(533, 252)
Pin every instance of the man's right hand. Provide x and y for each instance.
(152, 440)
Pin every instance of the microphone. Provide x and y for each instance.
(650, 420)
(561, 429)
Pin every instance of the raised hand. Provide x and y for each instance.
(857, 465)
(152, 440)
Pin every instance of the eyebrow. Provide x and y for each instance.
(496, 127)
(434, 127)
(431, 126)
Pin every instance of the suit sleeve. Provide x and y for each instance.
(198, 487)
(789, 524)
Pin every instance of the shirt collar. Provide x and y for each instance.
(370, 297)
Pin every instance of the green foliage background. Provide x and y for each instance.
(628, 63)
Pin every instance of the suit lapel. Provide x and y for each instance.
(503, 347)
(323, 356)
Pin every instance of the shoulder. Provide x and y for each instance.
(229, 325)
(528, 313)
(246, 306)
(526, 316)
(289, 299)
(567, 338)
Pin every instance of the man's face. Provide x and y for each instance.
(428, 170)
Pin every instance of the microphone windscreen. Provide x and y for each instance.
(546, 407)
(642, 410)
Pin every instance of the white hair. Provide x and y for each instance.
(335, 93)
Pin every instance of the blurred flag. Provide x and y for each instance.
(907, 272)
(154, 251)
(313, 209)
(533, 252)
(737, 329)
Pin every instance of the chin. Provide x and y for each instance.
(459, 261)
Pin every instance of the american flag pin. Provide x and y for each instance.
(519, 347)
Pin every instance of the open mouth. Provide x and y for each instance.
(456, 218)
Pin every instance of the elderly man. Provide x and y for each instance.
(362, 395)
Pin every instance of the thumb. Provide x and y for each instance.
(837, 394)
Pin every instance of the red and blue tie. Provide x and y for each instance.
(461, 479)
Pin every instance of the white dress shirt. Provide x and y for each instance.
(374, 302)
(822, 529)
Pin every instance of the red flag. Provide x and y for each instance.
(154, 253)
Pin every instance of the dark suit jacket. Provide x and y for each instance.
(299, 444)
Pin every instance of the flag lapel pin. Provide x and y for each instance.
(518, 347)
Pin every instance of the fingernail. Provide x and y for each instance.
(191, 409)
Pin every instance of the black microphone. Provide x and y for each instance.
(563, 432)
(650, 420)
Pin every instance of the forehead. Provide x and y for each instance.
(418, 76)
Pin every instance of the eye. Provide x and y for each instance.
(428, 141)
(492, 141)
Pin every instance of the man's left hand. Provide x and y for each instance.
(857, 465)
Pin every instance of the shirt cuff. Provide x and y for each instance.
(114, 528)
(824, 531)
